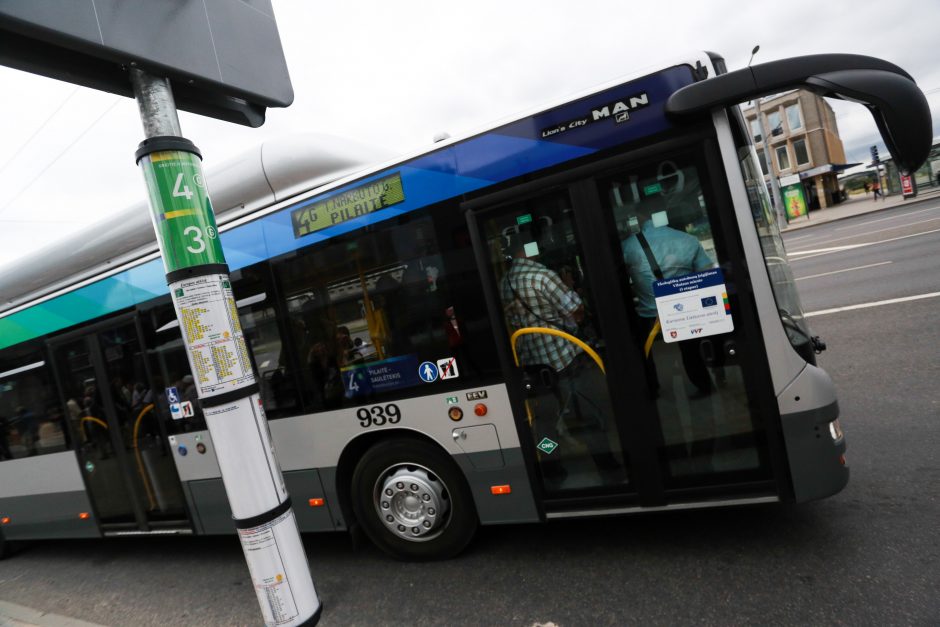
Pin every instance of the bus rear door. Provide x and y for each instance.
(120, 434)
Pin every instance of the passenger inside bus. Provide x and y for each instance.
(534, 295)
(656, 252)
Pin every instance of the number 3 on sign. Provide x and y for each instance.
(185, 192)
(199, 244)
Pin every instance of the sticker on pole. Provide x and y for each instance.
(181, 210)
(693, 306)
(265, 554)
(218, 356)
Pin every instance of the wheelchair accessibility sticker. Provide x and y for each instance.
(693, 306)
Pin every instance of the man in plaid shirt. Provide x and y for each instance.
(535, 296)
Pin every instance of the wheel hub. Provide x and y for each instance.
(411, 502)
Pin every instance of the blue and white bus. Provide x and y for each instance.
(586, 310)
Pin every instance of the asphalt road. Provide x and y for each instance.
(868, 556)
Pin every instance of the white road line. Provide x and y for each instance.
(903, 215)
(828, 251)
(813, 276)
(890, 228)
(794, 239)
(891, 301)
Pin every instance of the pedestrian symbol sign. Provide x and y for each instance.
(547, 446)
(428, 372)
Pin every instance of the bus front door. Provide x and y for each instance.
(121, 440)
(629, 383)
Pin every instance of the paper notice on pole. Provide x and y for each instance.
(218, 355)
(269, 574)
(693, 306)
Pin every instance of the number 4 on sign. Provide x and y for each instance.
(448, 368)
(185, 192)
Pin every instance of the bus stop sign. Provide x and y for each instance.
(223, 58)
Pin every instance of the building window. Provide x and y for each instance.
(755, 130)
(793, 117)
(775, 124)
(763, 162)
(799, 151)
(783, 158)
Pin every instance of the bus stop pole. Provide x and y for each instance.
(228, 391)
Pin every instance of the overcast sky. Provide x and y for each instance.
(394, 74)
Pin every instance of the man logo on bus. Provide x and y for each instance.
(621, 107)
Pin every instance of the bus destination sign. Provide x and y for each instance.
(352, 203)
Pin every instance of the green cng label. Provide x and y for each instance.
(181, 209)
(547, 446)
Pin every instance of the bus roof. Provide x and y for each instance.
(268, 173)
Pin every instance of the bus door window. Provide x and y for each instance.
(147, 452)
(170, 370)
(255, 301)
(536, 257)
(100, 459)
(664, 232)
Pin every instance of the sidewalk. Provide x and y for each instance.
(13, 615)
(856, 206)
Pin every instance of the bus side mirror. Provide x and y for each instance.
(899, 107)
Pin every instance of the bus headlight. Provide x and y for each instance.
(835, 430)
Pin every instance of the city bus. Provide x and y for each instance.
(584, 310)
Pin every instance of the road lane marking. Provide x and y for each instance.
(878, 303)
(814, 276)
(890, 228)
(903, 215)
(809, 254)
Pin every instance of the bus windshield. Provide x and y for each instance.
(775, 256)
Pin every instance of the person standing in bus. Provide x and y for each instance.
(659, 252)
(535, 296)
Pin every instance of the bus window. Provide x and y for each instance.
(661, 214)
(366, 312)
(31, 418)
(255, 301)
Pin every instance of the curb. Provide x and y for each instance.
(13, 615)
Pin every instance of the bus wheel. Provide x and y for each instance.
(412, 501)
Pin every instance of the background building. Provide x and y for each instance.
(804, 140)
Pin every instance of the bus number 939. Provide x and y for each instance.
(378, 415)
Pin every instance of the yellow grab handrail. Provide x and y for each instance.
(97, 421)
(549, 331)
(652, 338)
(140, 461)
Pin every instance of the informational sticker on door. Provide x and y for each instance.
(209, 321)
(693, 306)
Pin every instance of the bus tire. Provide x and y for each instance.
(412, 501)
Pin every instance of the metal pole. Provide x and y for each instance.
(198, 279)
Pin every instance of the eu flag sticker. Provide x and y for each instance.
(710, 301)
